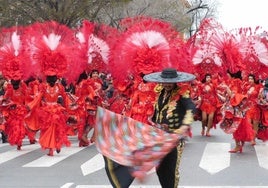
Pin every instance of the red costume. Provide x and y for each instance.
(54, 57)
(16, 112)
(142, 102)
(52, 117)
(12, 66)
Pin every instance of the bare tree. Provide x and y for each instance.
(68, 12)
(184, 15)
(199, 10)
(173, 11)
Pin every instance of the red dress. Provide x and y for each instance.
(252, 91)
(244, 131)
(31, 121)
(15, 113)
(263, 105)
(52, 117)
(142, 102)
(208, 98)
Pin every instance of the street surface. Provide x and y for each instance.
(206, 163)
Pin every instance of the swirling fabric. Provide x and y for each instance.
(130, 142)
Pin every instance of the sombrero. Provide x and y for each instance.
(169, 75)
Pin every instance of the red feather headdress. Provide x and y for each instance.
(51, 46)
(143, 48)
(254, 51)
(206, 59)
(226, 46)
(12, 56)
(95, 49)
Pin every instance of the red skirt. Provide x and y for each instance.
(244, 131)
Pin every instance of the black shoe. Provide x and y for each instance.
(4, 137)
(58, 150)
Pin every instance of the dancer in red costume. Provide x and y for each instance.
(263, 104)
(142, 102)
(95, 45)
(88, 99)
(244, 132)
(251, 89)
(119, 102)
(31, 121)
(52, 115)
(12, 67)
(16, 112)
(208, 104)
(54, 56)
(96, 83)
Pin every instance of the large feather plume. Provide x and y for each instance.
(95, 49)
(12, 56)
(254, 51)
(144, 47)
(206, 57)
(52, 46)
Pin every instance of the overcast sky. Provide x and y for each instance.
(243, 13)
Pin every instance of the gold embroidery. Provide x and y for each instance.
(188, 118)
(180, 148)
(111, 171)
(186, 94)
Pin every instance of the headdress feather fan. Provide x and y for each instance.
(12, 55)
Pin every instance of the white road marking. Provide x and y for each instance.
(14, 153)
(4, 144)
(158, 186)
(92, 165)
(215, 157)
(48, 161)
(67, 185)
(262, 154)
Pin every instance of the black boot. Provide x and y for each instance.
(4, 137)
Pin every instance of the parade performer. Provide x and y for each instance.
(263, 105)
(244, 132)
(88, 99)
(251, 89)
(12, 66)
(173, 115)
(95, 46)
(140, 105)
(208, 104)
(31, 121)
(174, 112)
(16, 112)
(52, 49)
(147, 45)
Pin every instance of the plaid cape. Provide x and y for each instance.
(132, 143)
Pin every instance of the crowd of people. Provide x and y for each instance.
(235, 104)
(54, 79)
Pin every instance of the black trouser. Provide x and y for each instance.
(168, 170)
(4, 137)
(119, 175)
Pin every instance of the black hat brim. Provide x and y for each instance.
(156, 77)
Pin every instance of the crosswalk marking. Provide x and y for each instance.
(14, 153)
(94, 164)
(48, 161)
(215, 157)
(158, 186)
(4, 144)
(262, 154)
(67, 185)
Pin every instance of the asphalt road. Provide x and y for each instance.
(205, 163)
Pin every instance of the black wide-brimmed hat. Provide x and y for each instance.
(169, 75)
